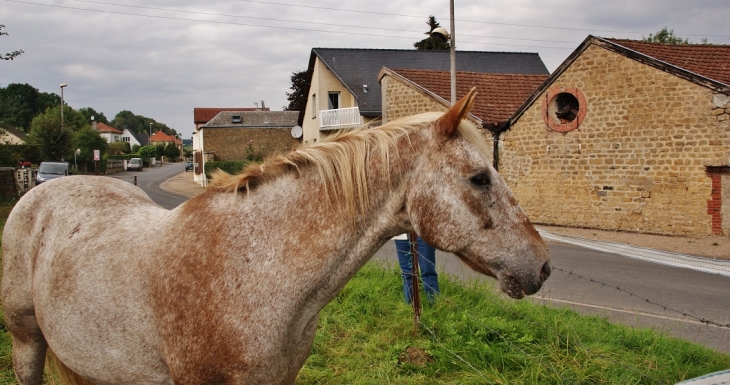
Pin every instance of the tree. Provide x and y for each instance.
(87, 140)
(298, 98)
(46, 132)
(20, 103)
(434, 41)
(88, 112)
(119, 148)
(139, 124)
(147, 152)
(172, 151)
(665, 36)
(10, 55)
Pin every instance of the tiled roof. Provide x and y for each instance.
(101, 127)
(498, 95)
(204, 115)
(708, 60)
(358, 67)
(160, 136)
(258, 119)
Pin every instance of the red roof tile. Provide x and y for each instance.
(709, 60)
(204, 115)
(101, 127)
(498, 95)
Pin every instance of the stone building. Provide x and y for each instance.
(626, 135)
(232, 135)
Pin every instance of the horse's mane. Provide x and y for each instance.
(339, 159)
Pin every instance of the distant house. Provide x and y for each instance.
(626, 135)
(12, 136)
(234, 135)
(203, 115)
(343, 89)
(109, 133)
(134, 139)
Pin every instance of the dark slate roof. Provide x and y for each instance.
(498, 95)
(255, 119)
(16, 132)
(356, 67)
(143, 139)
(202, 115)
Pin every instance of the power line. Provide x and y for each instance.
(269, 26)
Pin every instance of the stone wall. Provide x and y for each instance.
(638, 160)
(400, 100)
(229, 144)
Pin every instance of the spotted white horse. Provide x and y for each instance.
(227, 287)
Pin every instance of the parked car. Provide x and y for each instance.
(134, 164)
(188, 166)
(50, 170)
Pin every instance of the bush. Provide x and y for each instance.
(231, 167)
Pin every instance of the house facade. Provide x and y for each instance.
(627, 135)
(109, 133)
(12, 136)
(134, 139)
(238, 135)
(344, 91)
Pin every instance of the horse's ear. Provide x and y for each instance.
(446, 125)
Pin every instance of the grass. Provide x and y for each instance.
(472, 336)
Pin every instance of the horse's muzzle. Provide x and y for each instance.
(518, 289)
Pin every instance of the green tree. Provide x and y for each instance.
(10, 55)
(46, 132)
(119, 148)
(20, 103)
(88, 112)
(147, 152)
(434, 41)
(172, 151)
(665, 36)
(298, 98)
(139, 124)
(87, 140)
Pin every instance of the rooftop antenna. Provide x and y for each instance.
(262, 104)
(256, 104)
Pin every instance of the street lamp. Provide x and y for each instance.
(149, 137)
(63, 85)
(76, 166)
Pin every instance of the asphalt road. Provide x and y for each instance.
(149, 180)
(625, 290)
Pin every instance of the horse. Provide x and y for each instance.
(227, 287)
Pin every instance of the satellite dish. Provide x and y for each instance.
(296, 132)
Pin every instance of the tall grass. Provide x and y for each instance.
(472, 336)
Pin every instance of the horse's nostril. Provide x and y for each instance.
(545, 273)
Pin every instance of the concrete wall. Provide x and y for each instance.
(229, 144)
(637, 162)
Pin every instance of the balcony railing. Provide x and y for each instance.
(340, 118)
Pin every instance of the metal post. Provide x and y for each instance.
(415, 285)
(63, 85)
(453, 56)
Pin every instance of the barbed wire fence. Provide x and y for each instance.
(553, 331)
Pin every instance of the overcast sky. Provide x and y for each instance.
(162, 58)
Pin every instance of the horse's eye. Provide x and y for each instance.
(481, 179)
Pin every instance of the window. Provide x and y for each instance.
(563, 108)
(236, 119)
(334, 100)
(314, 106)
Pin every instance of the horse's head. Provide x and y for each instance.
(457, 202)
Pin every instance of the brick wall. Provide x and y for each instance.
(231, 143)
(638, 160)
